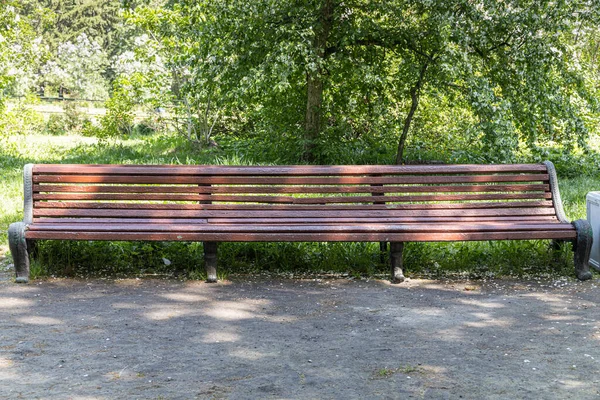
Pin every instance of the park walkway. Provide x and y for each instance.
(266, 338)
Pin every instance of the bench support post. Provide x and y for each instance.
(396, 249)
(382, 250)
(582, 246)
(18, 249)
(210, 261)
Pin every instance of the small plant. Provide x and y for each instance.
(74, 116)
(89, 129)
(37, 270)
(386, 372)
(119, 111)
(56, 125)
(383, 373)
(408, 369)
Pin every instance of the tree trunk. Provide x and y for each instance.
(314, 81)
(314, 102)
(415, 93)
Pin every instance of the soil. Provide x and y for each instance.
(267, 338)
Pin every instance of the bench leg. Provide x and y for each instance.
(396, 249)
(210, 261)
(382, 251)
(582, 246)
(18, 249)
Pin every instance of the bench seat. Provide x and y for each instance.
(213, 204)
(302, 231)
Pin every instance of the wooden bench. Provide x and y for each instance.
(213, 204)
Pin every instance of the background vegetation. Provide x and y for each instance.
(286, 82)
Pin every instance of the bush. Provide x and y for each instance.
(21, 120)
(56, 125)
(119, 116)
(74, 117)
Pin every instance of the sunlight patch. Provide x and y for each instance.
(13, 302)
(187, 297)
(219, 337)
(37, 320)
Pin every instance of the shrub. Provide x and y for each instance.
(56, 125)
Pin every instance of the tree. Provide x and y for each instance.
(97, 19)
(19, 50)
(78, 68)
(510, 64)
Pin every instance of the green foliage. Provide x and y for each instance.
(19, 50)
(74, 116)
(78, 68)
(20, 118)
(56, 125)
(67, 20)
(119, 111)
(511, 67)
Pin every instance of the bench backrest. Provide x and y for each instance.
(309, 194)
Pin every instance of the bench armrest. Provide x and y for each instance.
(28, 194)
(558, 207)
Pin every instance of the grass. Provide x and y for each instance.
(116, 259)
(383, 373)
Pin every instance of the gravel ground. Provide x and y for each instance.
(267, 338)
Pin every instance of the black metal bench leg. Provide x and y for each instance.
(382, 251)
(210, 261)
(396, 249)
(18, 249)
(581, 249)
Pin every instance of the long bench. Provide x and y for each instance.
(214, 204)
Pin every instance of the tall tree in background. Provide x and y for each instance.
(19, 48)
(97, 19)
(509, 63)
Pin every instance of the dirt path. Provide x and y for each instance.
(290, 339)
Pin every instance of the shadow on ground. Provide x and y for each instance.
(336, 339)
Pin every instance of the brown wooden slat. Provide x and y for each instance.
(306, 228)
(291, 200)
(334, 220)
(50, 220)
(383, 220)
(216, 170)
(291, 207)
(129, 213)
(306, 237)
(251, 180)
(289, 189)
